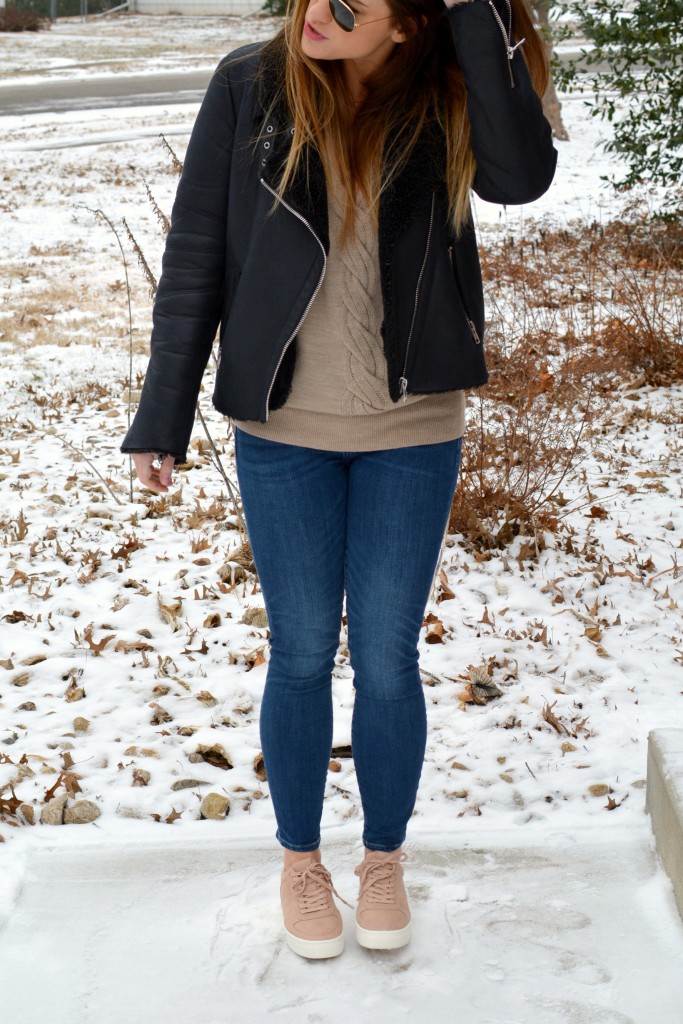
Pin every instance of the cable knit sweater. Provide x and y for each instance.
(340, 399)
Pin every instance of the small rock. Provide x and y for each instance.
(256, 617)
(141, 777)
(27, 811)
(213, 754)
(82, 812)
(460, 767)
(53, 811)
(506, 777)
(334, 766)
(81, 724)
(260, 768)
(229, 573)
(34, 659)
(599, 789)
(188, 784)
(639, 784)
(215, 806)
(21, 679)
(26, 706)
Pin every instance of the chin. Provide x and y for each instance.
(312, 49)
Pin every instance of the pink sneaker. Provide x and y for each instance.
(382, 915)
(313, 924)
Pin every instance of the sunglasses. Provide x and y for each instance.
(345, 17)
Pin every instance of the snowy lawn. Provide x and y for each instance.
(134, 43)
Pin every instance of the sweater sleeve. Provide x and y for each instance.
(187, 306)
(511, 138)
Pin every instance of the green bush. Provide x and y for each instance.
(275, 7)
(635, 73)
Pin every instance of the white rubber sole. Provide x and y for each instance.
(392, 938)
(315, 949)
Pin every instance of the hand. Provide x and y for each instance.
(156, 479)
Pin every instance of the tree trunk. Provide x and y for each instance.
(552, 107)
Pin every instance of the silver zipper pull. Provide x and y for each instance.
(473, 329)
(511, 49)
(404, 387)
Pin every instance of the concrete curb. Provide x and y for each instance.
(664, 802)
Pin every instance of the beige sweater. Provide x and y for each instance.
(340, 399)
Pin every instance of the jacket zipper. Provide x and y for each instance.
(470, 321)
(403, 380)
(317, 288)
(507, 36)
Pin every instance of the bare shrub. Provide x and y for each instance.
(525, 437)
(573, 315)
(12, 19)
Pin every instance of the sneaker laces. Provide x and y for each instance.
(378, 878)
(312, 886)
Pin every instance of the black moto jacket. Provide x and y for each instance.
(228, 263)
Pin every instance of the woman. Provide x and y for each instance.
(322, 220)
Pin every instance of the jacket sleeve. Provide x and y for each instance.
(188, 300)
(511, 138)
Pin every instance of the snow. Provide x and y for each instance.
(187, 928)
(544, 905)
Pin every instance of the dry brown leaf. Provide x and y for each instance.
(435, 634)
(126, 646)
(98, 647)
(170, 612)
(445, 592)
(206, 698)
(160, 714)
(552, 720)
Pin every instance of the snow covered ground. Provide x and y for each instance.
(567, 929)
(532, 862)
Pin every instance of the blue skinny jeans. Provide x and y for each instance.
(321, 524)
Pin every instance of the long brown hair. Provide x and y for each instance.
(420, 83)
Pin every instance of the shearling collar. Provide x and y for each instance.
(408, 195)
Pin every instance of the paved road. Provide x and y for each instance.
(94, 92)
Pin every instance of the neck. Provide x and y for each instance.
(354, 81)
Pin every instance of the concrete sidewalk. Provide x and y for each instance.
(582, 929)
